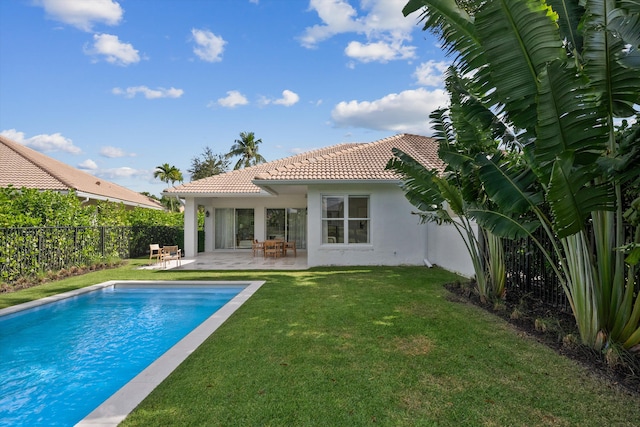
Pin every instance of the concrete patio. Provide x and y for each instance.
(235, 260)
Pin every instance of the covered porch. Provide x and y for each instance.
(235, 260)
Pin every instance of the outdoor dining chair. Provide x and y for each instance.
(171, 253)
(155, 252)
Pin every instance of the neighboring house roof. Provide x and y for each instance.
(352, 162)
(21, 166)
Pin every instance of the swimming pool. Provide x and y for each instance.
(60, 360)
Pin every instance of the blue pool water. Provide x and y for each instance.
(60, 361)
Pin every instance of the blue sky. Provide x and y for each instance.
(118, 87)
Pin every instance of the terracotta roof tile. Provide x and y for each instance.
(21, 166)
(342, 162)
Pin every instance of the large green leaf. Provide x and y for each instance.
(503, 225)
(419, 186)
(508, 186)
(573, 196)
(519, 37)
(569, 14)
(569, 118)
(456, 30)
(628, 28)
(604, 46)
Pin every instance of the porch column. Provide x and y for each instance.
(190, 228)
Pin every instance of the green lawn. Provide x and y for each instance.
(363, 346)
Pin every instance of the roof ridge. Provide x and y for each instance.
(28, 155)
(263, 168)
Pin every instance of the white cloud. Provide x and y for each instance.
(88, 165)
(430, 73)
(233, 99)
(209, 46)
(44, 143)
(288, 99)
(114, 51)
(380, 51)
(380, 21)
(407, 111)
(122, 172)
(338, 16)
(114, 152)
(83, 14)
(160, 92)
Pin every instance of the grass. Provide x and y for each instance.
(358, 346)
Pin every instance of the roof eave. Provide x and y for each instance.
(193, 194)
(265, 183)
(115, 200)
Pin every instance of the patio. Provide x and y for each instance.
(234, 260)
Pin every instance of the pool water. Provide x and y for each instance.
(61, 360)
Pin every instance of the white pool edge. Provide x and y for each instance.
(115, 409)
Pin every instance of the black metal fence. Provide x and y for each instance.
(530, 274)
(29, 251)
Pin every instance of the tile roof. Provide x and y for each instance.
(21, 166)
(339, 163)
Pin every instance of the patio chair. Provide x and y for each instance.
(257, 247)
(170, 253)
(290, 246)
(272, 248)
(155, 252)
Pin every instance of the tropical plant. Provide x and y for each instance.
(208, 164)
(247, 149)
(558, 74)
(168, 174)
(457, 190)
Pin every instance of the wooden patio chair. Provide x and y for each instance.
(170, 253)
(272, 248)
(290, 246)
(155, 252)
(257, 247)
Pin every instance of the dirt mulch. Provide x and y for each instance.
(557, 330)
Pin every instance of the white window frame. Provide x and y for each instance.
(345, 219)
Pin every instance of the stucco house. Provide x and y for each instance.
(20, 166)
(339, 203)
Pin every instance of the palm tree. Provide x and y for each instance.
(168, 174)
(247, 149)
(556, 74)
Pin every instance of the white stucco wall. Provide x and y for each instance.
(397, 238)
(446, 249)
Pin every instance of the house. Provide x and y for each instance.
(339, 203)
(21, 166)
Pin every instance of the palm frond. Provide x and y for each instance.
(569, 14)
(503, 225)
(573, 197)
(454, 26)
(519, 37)
(508, 186)
(611, 36)
(569, 118)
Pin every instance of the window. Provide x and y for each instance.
(345, 219)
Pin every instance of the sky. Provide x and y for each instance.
(118, 87)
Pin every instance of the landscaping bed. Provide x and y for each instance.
(557, 329)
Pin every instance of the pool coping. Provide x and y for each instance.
(115, 409)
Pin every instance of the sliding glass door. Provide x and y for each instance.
(289, 224)
(233, 228)
(244, 228)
